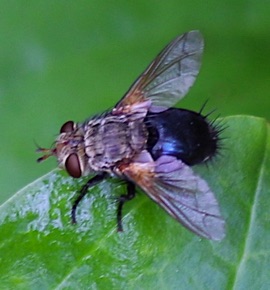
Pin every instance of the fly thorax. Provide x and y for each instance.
(111, 139)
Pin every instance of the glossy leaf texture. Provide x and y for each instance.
(41, 249)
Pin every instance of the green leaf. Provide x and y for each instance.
(41, 249)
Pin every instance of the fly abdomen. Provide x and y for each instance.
(185, 134)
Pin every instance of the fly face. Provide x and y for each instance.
(151, 145)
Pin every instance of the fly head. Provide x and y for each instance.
(69, 149)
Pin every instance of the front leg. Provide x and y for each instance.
(91, 182)
(121, 200)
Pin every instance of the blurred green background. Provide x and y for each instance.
(62, 60)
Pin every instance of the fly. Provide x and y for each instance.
(149, 144)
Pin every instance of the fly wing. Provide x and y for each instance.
(169, 77)
(184, 195)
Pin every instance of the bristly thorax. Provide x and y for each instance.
(111, 139)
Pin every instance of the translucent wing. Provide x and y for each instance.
(184, 195)
(169, 77)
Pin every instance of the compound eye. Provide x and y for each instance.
(73, 166)
(67, 127)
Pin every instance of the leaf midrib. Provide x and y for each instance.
(244, 257)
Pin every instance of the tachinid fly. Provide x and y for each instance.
(149, 144)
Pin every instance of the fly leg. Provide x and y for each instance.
(121, 200)
(91, 182)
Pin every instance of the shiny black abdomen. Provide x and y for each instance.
(182, 133)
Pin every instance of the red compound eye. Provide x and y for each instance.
(67, 127)
(73, 166)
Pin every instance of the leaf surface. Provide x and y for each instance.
(41, 249)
